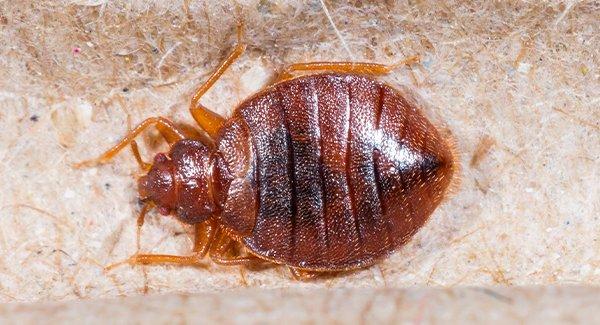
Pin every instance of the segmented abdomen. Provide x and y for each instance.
(341, 168)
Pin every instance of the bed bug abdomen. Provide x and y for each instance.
(342, 170)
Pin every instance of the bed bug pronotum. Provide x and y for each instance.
(322, 172)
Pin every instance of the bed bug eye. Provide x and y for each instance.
(160, 158)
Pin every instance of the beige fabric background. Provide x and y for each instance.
(333, 306)
(517, 83)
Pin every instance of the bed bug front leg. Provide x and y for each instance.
(165, 126)
(208, 120)
(140, 221)
(144, 166)
(345, 67)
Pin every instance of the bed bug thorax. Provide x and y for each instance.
(321, 172)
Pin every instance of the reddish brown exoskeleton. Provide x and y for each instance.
(321, 172)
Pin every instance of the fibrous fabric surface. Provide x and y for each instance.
(516, 84)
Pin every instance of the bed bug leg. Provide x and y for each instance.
(220, 251)
(140, 221)
(204, 237)
(208, 120)
(171, 133)
(158, 259)
(144, 166)
(169, 136)
(345, 67)
(303, 275)
(164, 125)
(204, 234)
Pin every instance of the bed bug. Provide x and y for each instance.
(327, 171)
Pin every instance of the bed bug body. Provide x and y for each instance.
(321, 172)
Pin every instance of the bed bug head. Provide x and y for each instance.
(181, 182)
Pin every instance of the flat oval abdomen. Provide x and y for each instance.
(333, 188)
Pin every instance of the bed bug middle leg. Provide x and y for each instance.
(220, 253)
(345, 67)
(167, 128)
(208, 120)
(204, 235)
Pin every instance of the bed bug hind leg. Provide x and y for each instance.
(345, 67)
(208, 120)
(203, 238)
(165, 126)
